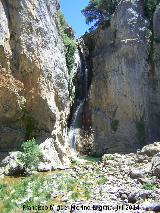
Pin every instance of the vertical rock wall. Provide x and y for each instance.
(119, 92)
(34, 97)
(155, 79)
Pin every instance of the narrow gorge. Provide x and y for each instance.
(96, 96)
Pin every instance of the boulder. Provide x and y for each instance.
(151, 149)
(12, 166)
(156, 165)
(136, 173)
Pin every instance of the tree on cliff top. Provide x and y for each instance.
(99, 12)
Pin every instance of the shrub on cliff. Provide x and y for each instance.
(99, 12)
(31, 154)
(68, 40)
(70, 48)
(150, 6)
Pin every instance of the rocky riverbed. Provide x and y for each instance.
(117, 183)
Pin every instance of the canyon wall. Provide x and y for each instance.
(34, 97)
(124, 99)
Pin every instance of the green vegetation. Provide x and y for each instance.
(149, 186)
(31, 154)
(30, 126)
(91, 44)
(69, 42)
(58, 188)
(140, 126)
(99, 12)
(150, 6)
(70, 48)
(91, 158)
(108, 157)
(114, 125)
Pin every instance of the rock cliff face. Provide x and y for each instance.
(155, 79)
(124, 92)
(33, 78)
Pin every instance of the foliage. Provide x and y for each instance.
(53, 188)
(2, 190)
(107, 157)
(31, 154)
(150, 6)
(99, 12)
(70, 48)
(91, 158)
(69, 42)
(63, 23)
(30, 126)
(149, 186)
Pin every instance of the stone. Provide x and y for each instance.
(34, 81)
(12, 167)
(118, 95)
(155, 207)
(1, 172)
(124, 197)
(151, 149)
(135, 174)
(133, 197)
(155, 169)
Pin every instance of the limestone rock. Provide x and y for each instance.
(51, 155)
(156, 165)
(155, 79)
(151, 149)
(34, 97)
(118, 96)
(12, 166)
(137, 174)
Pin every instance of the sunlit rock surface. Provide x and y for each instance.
(124, 92)
(34, 97)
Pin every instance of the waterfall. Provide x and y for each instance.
(72, 131)
(86, 82)
(83, 71)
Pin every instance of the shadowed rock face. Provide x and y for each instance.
(33, 76)
(155, 79)
(120, 95)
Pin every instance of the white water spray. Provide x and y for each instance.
(72, 131)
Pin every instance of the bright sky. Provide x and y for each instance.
(72, 12)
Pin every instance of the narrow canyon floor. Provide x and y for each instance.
(113, 183)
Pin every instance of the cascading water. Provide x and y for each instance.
(79, 108)
(72, 131)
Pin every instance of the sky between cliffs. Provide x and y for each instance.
(72, 12)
